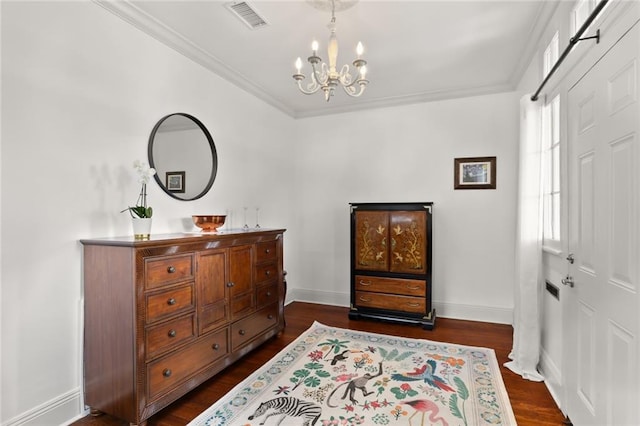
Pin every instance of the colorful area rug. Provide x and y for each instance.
(333, 376)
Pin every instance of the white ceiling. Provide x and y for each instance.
(417, 50)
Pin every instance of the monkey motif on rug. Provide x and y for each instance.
(359, 383)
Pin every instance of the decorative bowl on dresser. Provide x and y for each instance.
(165, 314)
(208, 222)
(391, 262)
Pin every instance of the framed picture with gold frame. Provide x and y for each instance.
(474, 173)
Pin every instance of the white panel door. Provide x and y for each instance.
(601, 355)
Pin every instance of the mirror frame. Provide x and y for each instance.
(214, 155)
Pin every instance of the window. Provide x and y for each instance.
(580, 13)
(551, 55)
(551, 173)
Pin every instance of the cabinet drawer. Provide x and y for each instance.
(160, 271)
(267, 294)
(266, 272)
(169, 302)
(246, 329)
(391, 302)
(168, 335)
(242, 304)
(391, 285)
(170, 371)
(266, 251)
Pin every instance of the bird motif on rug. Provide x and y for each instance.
(424, 373)
(424, 406)
(340, 357)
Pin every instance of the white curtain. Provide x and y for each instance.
(525, 353)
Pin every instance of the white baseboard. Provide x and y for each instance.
(443, 310)
(474, 312)
(62, 410)
(552, 378)
(316, 296)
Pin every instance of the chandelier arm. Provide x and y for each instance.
(345, 77)
(311, 88)
(355, 91)
(321, 77)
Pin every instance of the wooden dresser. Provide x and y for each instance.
(391, 262)
(164, 315)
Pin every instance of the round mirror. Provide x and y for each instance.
(183, 153)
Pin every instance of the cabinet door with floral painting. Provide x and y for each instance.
(408, 250)
(371, 240)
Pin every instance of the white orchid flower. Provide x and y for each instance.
(144, 174)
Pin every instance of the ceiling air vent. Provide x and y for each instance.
(247, 14)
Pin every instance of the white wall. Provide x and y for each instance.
(81, 91)
(407, 154)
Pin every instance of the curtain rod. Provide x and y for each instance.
(572, 42)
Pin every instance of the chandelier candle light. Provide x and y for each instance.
(327, 77)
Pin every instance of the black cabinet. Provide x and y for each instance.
(391, 262)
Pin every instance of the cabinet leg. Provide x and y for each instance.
(431, 322)
(94, 412)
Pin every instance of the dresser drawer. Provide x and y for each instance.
(392, 302)
(242, 305)
(246, 329)
(267, 294)
(168, 372)
(169, 302)
(391, 285)
(168, 335)
(166, 270)
(266, 272)
(266, 251)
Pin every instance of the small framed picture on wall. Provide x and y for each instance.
(175, 182)
(474, 173)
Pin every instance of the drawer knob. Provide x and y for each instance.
(215, 346)
(230, 284)
(364, 299)
(166, 372)
(413, 287)
(270, 316)
(172, 333)
(268, 294)
(365, 282)
(267, 251)
(242, 332)
(171, 269)
(171, 302)
(268, 273)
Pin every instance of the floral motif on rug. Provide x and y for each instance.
(334, 376)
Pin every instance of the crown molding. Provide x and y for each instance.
(133, 15)
(439, 95)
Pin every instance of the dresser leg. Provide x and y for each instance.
(93, 412)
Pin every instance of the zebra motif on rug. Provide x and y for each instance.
(288, 406)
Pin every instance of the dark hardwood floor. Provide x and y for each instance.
(531, 401)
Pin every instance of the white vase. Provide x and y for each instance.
(141, 227)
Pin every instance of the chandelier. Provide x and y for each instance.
(327, 77)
